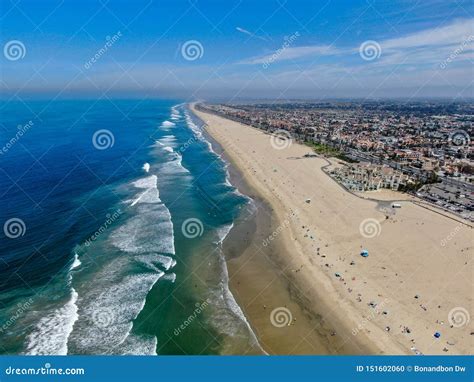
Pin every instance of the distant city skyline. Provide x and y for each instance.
(237, 49)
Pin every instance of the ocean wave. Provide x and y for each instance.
(232, 305)
(109, 305)
(50, 335)
(168, 124)
(194, 128)
(76, 263)
(167, 141)
(227, 182)
(174, 166)
(175, 114)
(222, 320)
(169, 277)
(148, 182)
(223, 231)
(150, 230)
(151, 195)
(107, 313)
(136, 344)
(154, 261)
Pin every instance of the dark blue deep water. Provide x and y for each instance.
(112, 218)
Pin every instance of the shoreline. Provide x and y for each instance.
(311, 292)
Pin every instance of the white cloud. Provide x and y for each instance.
(293, 53)
(452, 34)
(429, 46)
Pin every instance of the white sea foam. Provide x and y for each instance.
(223, 231)
(154, 261)
(169, 149)
(148, 182)
(170, 277)
(175, 114)
(233, 306)
(151, 230)
(168, 141)
(167, 138)
(108, 313)
(138, 345)
(168, 124)
(51, 334)
(166, 261)
(151, 195)
(76, 263)
(109, 308)
(194, 128)
(146, 167)
(173, 166)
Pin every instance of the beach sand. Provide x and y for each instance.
(416, 281)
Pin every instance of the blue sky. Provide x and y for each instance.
(243, 49)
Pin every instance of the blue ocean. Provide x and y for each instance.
(113, 216)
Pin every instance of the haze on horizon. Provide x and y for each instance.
(237, 49)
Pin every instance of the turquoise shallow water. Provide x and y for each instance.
(124, 207)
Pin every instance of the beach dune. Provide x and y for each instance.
(413, 292)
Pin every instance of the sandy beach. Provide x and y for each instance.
(302, 281)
